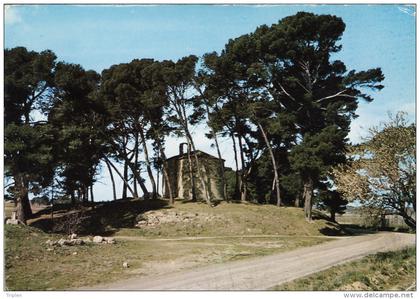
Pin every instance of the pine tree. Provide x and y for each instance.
(28, 156)
(75, 117)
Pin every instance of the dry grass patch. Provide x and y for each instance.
(386, 271)
(233, 219)
(30, 266)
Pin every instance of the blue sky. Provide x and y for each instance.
(99, 36)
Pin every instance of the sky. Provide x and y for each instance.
(98, 36)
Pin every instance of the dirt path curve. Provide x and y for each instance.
(265, 272)
(136, 238)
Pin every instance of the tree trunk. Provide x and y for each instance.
(139, 180)
(23, 206)
(243, 183)
(114, 192)
(191, 173)
(85, 194)
(297, 200)
(307, 194)
(332, 212)
(148, 167)
(237, 179)
(165, 174)
(411, 222)
(20, 210)
(274, 164)
(222, 166)
(157, 176)
(136, 160)
(120, 175)
(73, 198)
(125, 180)
(134, 183)
(91, 194)
(135, 171)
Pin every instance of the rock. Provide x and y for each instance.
(65, 242)
(87, 240)
(76, 242)
(125, 265)
(62, 242)
(74, 253)
(97, 239)
(109, 240)
(73, 236)
(12, 221)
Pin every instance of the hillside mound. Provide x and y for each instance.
(198, 219)
(157, 218)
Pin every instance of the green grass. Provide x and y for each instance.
(239, 231)
(232, 219)
(239, 219)
(29, 266)
(388, 271)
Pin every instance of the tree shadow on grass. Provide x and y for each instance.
(103, 218)
(355, 230)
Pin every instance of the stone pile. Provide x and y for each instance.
(105, 240)
(73, 240)
(155, 218)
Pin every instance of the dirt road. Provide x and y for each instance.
(265, 272)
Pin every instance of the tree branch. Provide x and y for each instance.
(340, 93)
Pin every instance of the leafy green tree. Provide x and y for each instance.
(125, 89)
(333, 202)
(75, 117)
(156, 103)
(28, 77)
(228, 83)
(28, 157)
(382, 173)
(313, 158)
(298, 74)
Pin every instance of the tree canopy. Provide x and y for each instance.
(382, 172)
(275, 93)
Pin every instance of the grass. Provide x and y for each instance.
(30, 266)
(239, 231)
(119, 218)
(235, 219)
(387, 271)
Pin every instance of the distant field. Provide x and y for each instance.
(391, 221)
(389, 271)
(238, 231)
